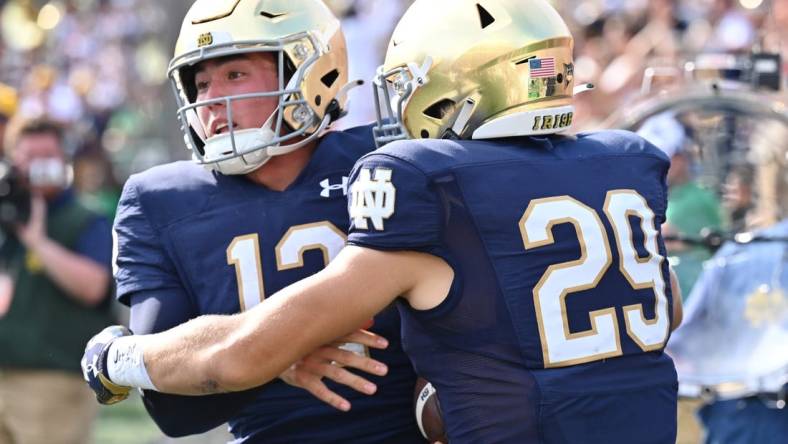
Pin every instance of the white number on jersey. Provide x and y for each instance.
(560, 347)
(244, 254)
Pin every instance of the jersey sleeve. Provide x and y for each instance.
(392, 206)
(141, 262)
(176, 416)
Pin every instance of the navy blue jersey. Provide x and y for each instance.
(227, 244)
(554, 327)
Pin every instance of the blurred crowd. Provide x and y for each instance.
(616, 40)
(100, 65)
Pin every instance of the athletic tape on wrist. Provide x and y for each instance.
(125, 364)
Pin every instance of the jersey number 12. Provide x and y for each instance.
(244, 254)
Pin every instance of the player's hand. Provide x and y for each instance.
(332, 362)
(94, 366)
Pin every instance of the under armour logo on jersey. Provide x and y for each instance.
(372, 199)
(328, 187)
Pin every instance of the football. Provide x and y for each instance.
(428, 412)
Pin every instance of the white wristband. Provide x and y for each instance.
(125, 364)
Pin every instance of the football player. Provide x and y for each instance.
(529, 266)
(257, 83)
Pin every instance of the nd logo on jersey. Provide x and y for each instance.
(372, 199)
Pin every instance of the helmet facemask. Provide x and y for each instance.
(393, 90)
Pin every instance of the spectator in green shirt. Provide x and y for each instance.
(691, 207)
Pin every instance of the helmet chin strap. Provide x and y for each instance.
(244, 141)
(465, 115)
(252, 158)
(461, 121)
(278, 150)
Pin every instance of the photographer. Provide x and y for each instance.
(58, 261)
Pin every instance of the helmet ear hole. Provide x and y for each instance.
(440, 109)
(425, 134)
(330, 78)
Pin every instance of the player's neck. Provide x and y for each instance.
(281, 171)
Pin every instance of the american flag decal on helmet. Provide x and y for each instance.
(541, 68)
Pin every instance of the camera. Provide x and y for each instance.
(14, 197)
(759, 70)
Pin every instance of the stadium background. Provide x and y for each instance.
(99, 66)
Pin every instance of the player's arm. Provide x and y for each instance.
(228, 353)
(145, 272)
(155, 311)
(678, 309)
(214, 354)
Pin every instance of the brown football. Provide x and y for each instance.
(428, 412)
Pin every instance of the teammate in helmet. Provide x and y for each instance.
(257, 83)
(529, 268)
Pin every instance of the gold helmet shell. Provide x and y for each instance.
(308, 43)
(476, 69)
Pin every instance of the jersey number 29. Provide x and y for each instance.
(560, 347)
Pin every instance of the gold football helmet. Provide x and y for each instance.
(476, 69)
(308, 44)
